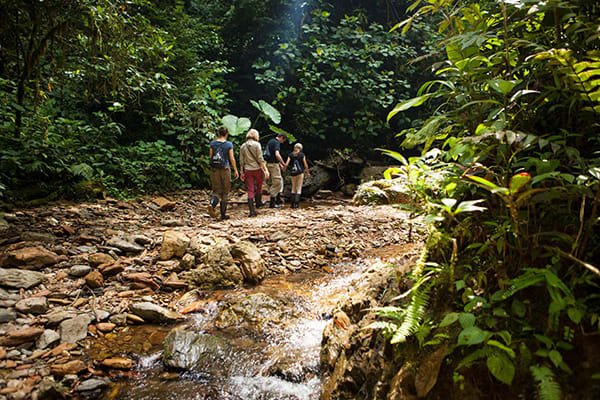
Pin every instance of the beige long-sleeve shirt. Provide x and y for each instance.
(251, 156)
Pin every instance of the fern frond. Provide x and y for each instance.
(414, 314)
(386, 327)
(548, 388)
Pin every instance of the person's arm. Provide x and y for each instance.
(306, 170)
(232, 161)
(261, 161)
(278, 157)
(265, 170)
(242, 162)
(287, 162)
(209, 153)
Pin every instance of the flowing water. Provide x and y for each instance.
(272, 355)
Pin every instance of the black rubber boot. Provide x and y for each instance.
(297, 200)
(224, 210)
(278, 199)
(212, 205)
(258, 201)
(292, 200)
(253, 212)
(273, 203)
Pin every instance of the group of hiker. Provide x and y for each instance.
(256, 167)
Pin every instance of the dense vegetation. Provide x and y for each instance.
(123, 96)
(509, 182)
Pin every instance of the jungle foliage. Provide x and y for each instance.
(125, 95)
(509, 183)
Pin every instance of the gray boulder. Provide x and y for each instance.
(251, 263)
(19, 278)
(218, 271)
(7, 315)
(32, 305)
(383, 191)
(48, 338)
(74, 329)
(126, 246)
(79, 271)
(174, 244)
(195, 351)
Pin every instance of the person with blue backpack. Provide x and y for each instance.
(221, 160)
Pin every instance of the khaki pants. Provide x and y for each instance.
(297, 183)
(275, 180)
(220, 180)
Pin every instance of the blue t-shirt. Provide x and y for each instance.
(273, 145)
(223, 147)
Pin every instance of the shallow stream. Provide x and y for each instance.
(273, 349)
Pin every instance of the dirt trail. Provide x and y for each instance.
(320, 234)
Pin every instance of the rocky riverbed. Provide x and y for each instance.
(81, 282)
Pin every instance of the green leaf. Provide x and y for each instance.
(503, 86)
(575, 315)
(518, 308)
(501, 367)
(502, 347)
(270, 111)
(518, 181)
(235, 125)
(555, 357)
(278, 130)
(466, 320)
(405, 105)
(470, 336)
(449, 319)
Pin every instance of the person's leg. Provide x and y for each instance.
(276, 182)
(215, 183)
(294, 189)
(250, 181)
(226, 187)
(299, 189)
(259, 187)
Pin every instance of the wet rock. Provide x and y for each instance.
(7, 315)
(257, 312)
(195, 351)
(74, 329)
(29, 258)
(19, 278)
(118, 363)
(174, 244)
(383, 191)
(6, 295)
(94, 279)
(57, 316)
(47, 338)
(251, 263)
(20, 336)
(126, 246)
(151, 312)
(319, 178)
(188, 262)
(218, 271)
(111, 269)
(79, 271)
(32, 305)
(97, 259)
(92, 384)
(51, 390)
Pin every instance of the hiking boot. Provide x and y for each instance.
(253, 212)
(297, 200)
(224, 210)
(212, 205)
(278, 199)
(258, 201)
(273, 203)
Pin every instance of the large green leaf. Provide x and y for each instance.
(405, 105)
(471, 335)
(236, 125)
(501, 367)
(268, 110)
(291, 138)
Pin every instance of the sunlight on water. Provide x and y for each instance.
(270, 387)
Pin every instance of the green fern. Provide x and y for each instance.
(548, 388)
(414, 314)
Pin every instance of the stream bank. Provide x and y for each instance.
(76, 274)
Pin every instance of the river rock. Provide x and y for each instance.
(55, 317)
(79, 271)
(69, 368)
(20, 336)
(251, 263)
(43, 237)
(118, 363)
(383, 191)
(7, 315)
(32, 305)
(218, 271)
(195, 351)
(92, 384)
(163, 203)
(319, 178)
(105, 327)
(99, 259)
(94, 279)
(6, 295)
(257, 312)
(47, 338)
(126, 246)
(19, 278)
(174, 244)
(151, 312)
(32, 258)
(188, 262)
(74, 329)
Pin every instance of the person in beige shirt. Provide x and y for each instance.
(252, 168)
